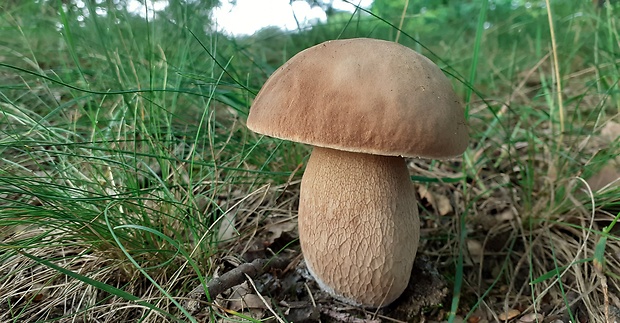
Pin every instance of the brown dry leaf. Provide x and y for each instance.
(607, 175)
(248, 301)
(611, 131)
(441, 203)
(426, 194)
(475, 249)
(242, 298)
(509, 314)
(531, 317)
(275, 230)
(610, 173)
(506, 215)
(227, 229)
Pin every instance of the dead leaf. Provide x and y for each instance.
(531, 317)
(243, 300)
(506, 215)
(426, 194)
(440, 203)
(227, 229)
(607, 175)
(475, 249)
(248, 301)
(611, 131)
(509, 314)
(443, 205)
(275, 230)
(610, 173)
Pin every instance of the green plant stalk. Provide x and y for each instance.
(599, 250)
(458, 281)
(474, 63)
(558, 79)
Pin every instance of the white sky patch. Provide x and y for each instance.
(344, 6)
(151, 6)
(248, 16)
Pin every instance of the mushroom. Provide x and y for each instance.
(364, 104)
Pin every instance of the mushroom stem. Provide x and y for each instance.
(358, 225)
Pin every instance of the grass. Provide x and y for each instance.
(127, 175)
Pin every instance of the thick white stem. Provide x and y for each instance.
(358, 225)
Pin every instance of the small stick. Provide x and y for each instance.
(236, 276)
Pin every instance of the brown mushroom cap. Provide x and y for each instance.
(363, 95)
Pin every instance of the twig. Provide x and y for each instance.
(233, 278)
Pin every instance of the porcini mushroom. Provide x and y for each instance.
(364, 104)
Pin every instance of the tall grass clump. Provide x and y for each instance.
(122, 144)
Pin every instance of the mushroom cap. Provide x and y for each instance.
(362, 95)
